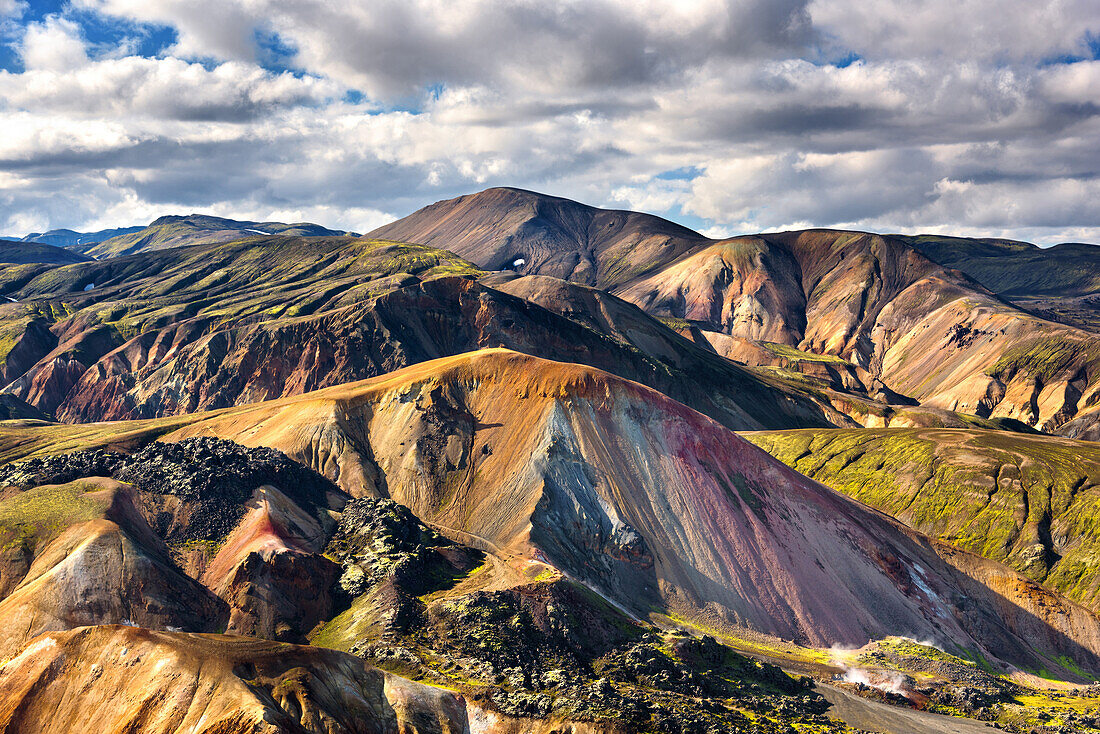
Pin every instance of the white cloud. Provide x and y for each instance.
(53, 45)
(12, 8)
(169, 88)
(952, 118)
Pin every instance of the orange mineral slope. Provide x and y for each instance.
(654, 505)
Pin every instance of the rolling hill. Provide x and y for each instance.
(194, 229)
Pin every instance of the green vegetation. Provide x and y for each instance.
(33, 517)
(1045, 357)
(797, 355)
(1032, 502)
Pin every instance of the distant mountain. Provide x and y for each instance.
(76, 240)
(918, 329)
(532, 233)
(27, 253)
(194, 229)
(1061, 283)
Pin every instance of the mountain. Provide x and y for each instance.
(117, 678)
(920, 331)
(28, 253)
(1028, 501)
(80, 553)
(1060, 283)
(249, 525)
(505, 228)
(523, 459)
(194, 229)
(78, 241)
(257, 319)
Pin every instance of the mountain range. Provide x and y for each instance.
(513, 463)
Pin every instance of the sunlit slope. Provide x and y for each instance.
(112, 679)
(546, 235)
(1032, 502)
(651, 502)
(927, 332)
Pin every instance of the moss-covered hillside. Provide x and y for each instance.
(1032, 502)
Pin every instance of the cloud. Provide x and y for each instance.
(397, 47)
(168, 88)
(53, 45)
(12, 8)
(732, 116)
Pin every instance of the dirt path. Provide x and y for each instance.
(861, 713)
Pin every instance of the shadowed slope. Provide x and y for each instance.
(22, 253)
(1060, 283)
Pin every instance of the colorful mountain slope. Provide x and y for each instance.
(81, 553)
(927, 332)
(651, 503)
(531, 233)
(1060, 283)
(1032, 502)
(207, 327)
(110, 680)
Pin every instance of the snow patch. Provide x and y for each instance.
(257, 231)
(89, 286)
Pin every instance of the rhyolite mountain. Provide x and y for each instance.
(1060, 283)
(926, 331)
(263, 316)
(215, 536)
(524, 458)
(492, 448)
(517, 528)
(212, 326)
(505, 228)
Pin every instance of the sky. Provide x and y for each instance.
(968, 117)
